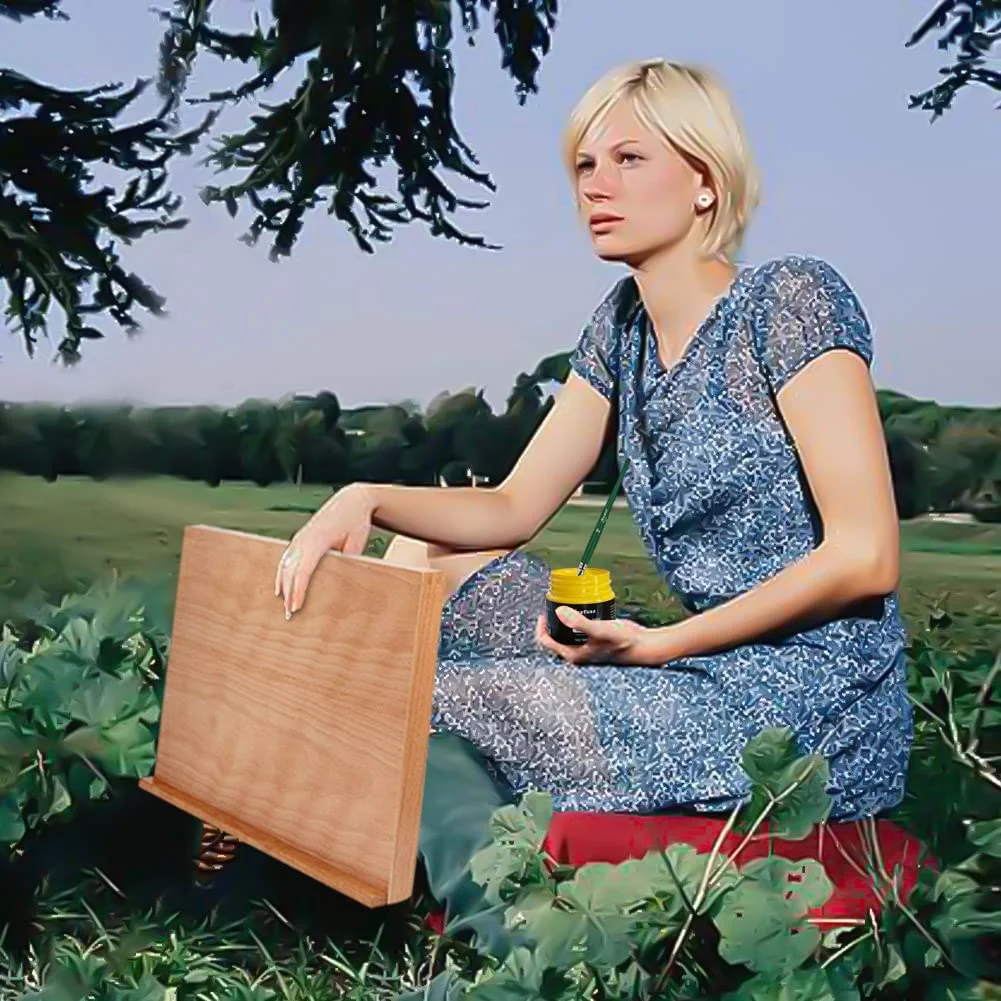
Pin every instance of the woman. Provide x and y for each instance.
(758, 477)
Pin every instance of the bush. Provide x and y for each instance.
(80, 690)
(80, 686)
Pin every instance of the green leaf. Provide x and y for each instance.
(148, 989)
(518, 832)
(11, 657)
(118, 615)
(102, 698)
(13, 743)
(894, 966)
(771, 761)
(951, 885)
(49, 680)
(519, 978)
(126, 749)
(81, 640)
(15, 750)
(962, 918)
(812, 984)
(986, 835)
(761, 920)
(11, 823)
(565, 938)
(59, 797)
(688, 865)
(10, 769)
(532, 819)
(258, 992)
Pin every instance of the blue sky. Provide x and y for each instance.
(903, 208)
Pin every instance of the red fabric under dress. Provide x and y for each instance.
(578, 838)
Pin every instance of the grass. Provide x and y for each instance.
(63, 535)
(263, 928)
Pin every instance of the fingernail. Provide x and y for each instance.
(288, 615)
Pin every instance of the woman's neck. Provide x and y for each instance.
(678, 290)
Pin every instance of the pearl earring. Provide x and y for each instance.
(704, 200)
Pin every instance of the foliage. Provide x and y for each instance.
(954, 686)
(97, 951)
(374, 94)
(941, 458)
(303, 439)
(378, 88)
(677, 923)
(970, 27)
(79, 703)
(75, 181)
(684, 924)
(360, 107)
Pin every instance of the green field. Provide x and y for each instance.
(64, 535)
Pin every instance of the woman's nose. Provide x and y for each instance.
(598, 186)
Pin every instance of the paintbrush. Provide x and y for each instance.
(602, 519)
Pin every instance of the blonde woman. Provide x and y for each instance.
(759, 481)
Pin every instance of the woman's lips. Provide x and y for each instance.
(601, 222)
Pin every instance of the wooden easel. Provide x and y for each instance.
(306, 739)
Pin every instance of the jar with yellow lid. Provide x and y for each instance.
(589, 593)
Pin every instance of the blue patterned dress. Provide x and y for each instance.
(717, 490)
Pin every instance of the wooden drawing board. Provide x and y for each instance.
(306, 739)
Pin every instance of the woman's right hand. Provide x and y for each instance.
(342, 524)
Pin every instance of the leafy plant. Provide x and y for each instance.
(80, 686)
(677, 923)
(684, 924)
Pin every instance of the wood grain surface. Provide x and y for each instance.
(306, 739)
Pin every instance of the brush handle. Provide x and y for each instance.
(592, 543)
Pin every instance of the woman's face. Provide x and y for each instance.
(635, 192)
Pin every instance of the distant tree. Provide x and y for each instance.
(970, 28)
(966, 466)
(260, 431)
(909, 470)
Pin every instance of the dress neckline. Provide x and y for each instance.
(649, 337)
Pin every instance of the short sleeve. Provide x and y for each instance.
(595, 358)
(808, 309)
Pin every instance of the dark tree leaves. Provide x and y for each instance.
(60, 227)
(376, 93)
(21, 10)
(970, 28)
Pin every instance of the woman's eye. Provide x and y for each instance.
(629, 157)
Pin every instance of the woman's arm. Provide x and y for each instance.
(831, 412)
(561, 453)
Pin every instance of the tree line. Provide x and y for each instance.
(942, 458)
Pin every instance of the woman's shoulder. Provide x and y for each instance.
(792, 276)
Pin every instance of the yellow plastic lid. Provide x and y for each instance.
(593, 585)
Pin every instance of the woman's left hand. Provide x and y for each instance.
(609, 641)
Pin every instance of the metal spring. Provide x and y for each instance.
(216, 849)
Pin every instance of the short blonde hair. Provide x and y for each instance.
(689, 107)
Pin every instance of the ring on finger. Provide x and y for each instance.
(290, 558)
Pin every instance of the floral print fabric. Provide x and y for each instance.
(717, 490)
